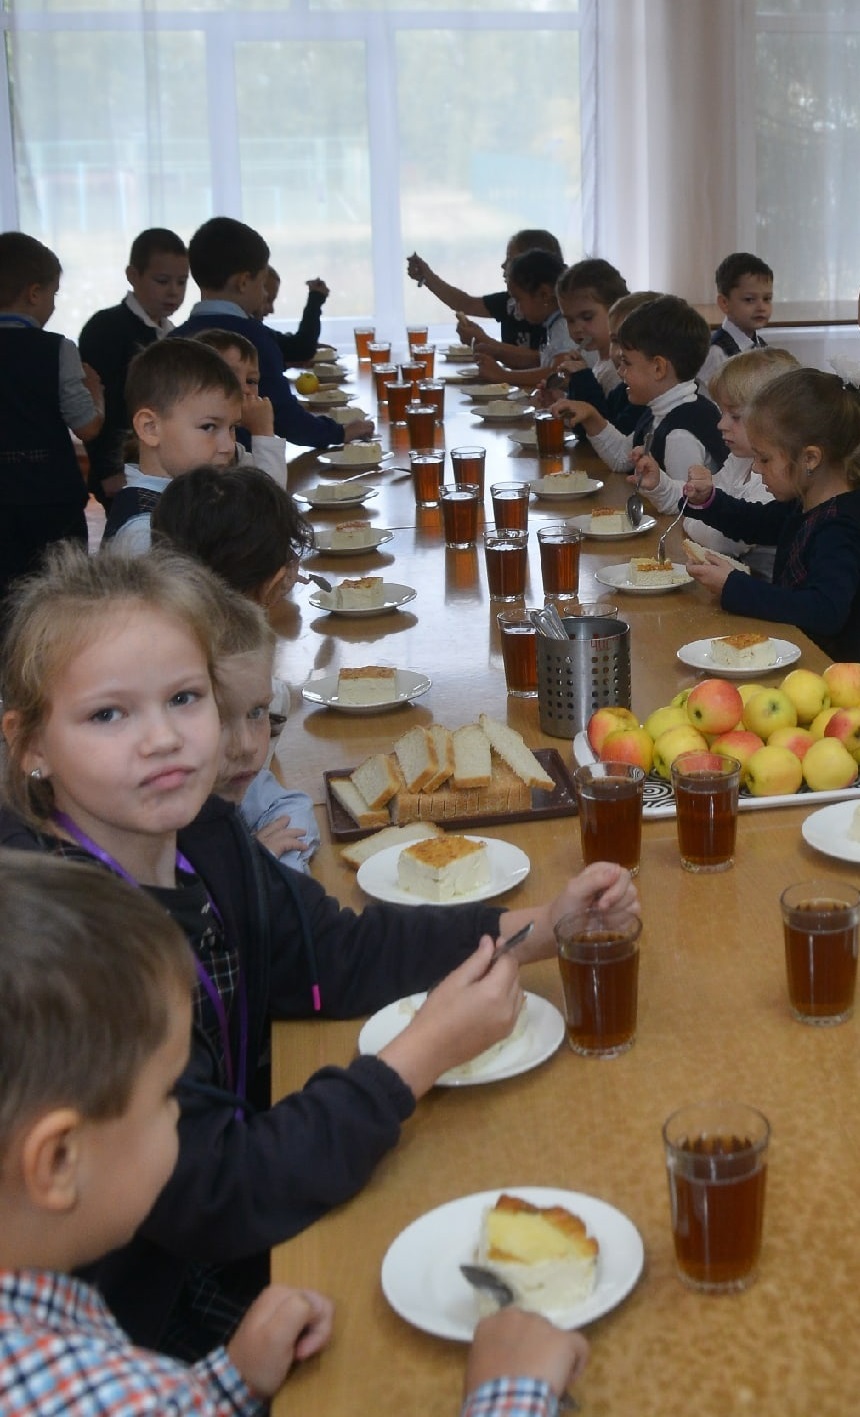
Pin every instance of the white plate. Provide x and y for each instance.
(827, 831)
(508, 866)
(547, 489)
(356, 499)
(584, 525)
(336, 459)
(542, 1036)
(394, 596)
(322, 542)
(483, 393)
(460, 354)
(325, 354)
(697, 654)
(421, 1276)
(409, 686)
(333, 374)
(517, 412)
(527, 438)
(617, 578)
(327, 398)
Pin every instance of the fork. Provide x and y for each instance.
(661, 544)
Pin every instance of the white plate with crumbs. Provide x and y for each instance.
(508, 867)
(583, 524)
(339, 460)
(421, 1276)
(336, 496)
(547, 488)
(393, 597)
(375, 539)
(697, 654)
(618, 577)
(327, 398)
(408, 686)
(827, 831)
(538, 1034)
(517, 411)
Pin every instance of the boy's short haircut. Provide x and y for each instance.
(535, 239)
(171, 370)
(740, 378)
(24, 261)
(621, 308)
(670, 328)
(223, 340)
(87, 967)
(733, 268)
(237, 521)
(596, 275)
(244, 629)
(535, 268)
(222, 248)
(155, 241)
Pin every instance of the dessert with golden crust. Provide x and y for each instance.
(744, 651)
(443, 867)
(544, 1254)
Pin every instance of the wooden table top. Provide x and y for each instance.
(713, 1021)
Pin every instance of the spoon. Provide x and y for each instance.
(635, 505)
(305, 577)
(661, 544)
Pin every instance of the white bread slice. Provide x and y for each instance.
(351, 800)
(472, 762)
(357, 852)
(505, 794)
(443, 742)
(416, 754)
(699, 555)
(511, 746)
(375, 779)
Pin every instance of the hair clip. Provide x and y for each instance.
(848, 370)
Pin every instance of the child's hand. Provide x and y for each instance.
(417, 268)
(712, 574)
(279, 837)
(468, 330)
(516, 1344)
(647, 470)
(547, 397)
(571, 362)
(575, 411)
(281, 1327)
(319, 287)
(94, 386)
(258, 416)
(488, 366)
(362, 428)
(699, 485)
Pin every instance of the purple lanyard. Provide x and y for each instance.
(235, 1083)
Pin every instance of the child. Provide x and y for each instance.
(745, 296)
(157, 272)
(299, 347)
(532, 283)
(95, 991)
(184, 402)
(230, 262)
(662, 345)
(113, 735)
(586, 294)
(733, 387)
(44, 391)
(268, 451)
(515, 331)
(282, 820)
(804, 430)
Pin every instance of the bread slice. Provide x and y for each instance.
(443, 742)
(472, 762)
(416, 754)
(700, 554)
(357, 852)
(511, 746)
(376, 780)
(505, 794)
(349, 797)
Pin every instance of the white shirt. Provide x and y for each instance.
(716, 356)
(682, 447)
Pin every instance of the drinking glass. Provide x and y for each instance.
(598, 956)
(706, 809)
(820, 923)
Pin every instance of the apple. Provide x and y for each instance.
(604, 720)
(828, 765)
(662, 718)
(715, 706)
(808, 692)
(773, 772)
(628, 745)
(797, 740)
(739, 743)
(769, 710)
(843, 684)
(680, 699)
(845, 725)
(746, 691)
(820, 722)
(683, 739)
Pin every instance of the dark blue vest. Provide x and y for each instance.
(699, 418)
(129, 502)
(37, 460)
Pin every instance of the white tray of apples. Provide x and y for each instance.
(802, 738)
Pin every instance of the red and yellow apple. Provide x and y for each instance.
(628, 745)
(683, 739)
(605, 720)
(843, 685)
(828, 765)
(845, 725)
(715, 706)
(739, 743)
(773, 772)
(808, 692)
(768, 710)
(670, 716)
(797, 740)
(820, 722)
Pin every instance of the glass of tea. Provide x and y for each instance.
(364, 337)
(610, 813)
(706, 809)
(379, 351)
(460, 514)
(598, 958)
(432, 391)
(421, 422)
(468, 465)
(416, 335)
(428, 469)
(519, 652)
(716, 1158)
(820, 921)
(560, 547)
(511, 504)
(412, 370)
(398, 395)
(383, 375)
(549, 430)
(506, 553)
(425, 354)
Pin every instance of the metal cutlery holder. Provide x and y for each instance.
(588, 671)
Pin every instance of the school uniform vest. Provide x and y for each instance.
(699, 417)
(129, 502)
(37, 460)
(724, 341)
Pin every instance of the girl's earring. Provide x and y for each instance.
(37, 774)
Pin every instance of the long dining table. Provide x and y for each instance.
(713, 1012)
